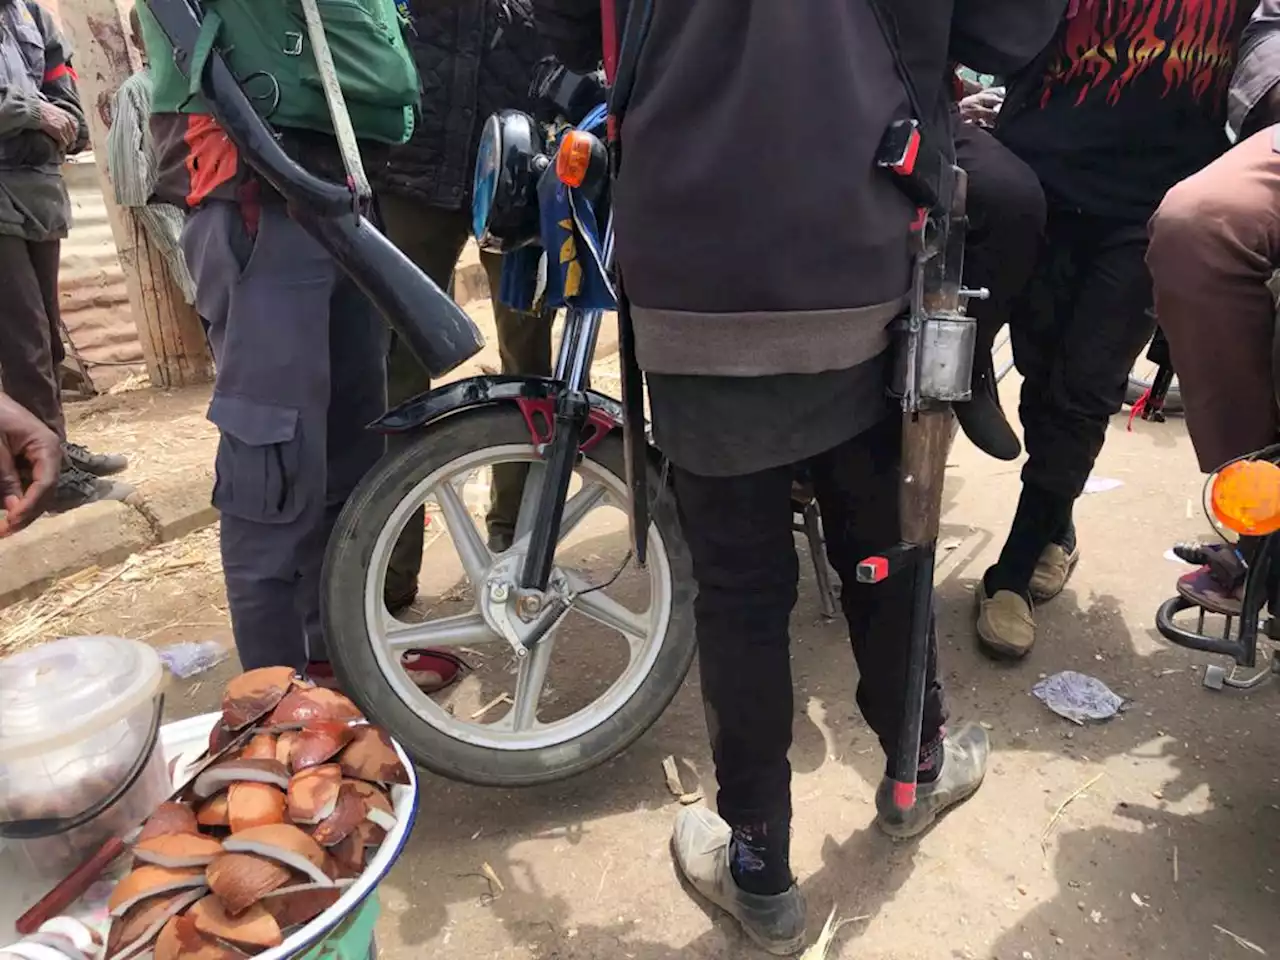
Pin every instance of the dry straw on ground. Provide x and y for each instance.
(87, 601)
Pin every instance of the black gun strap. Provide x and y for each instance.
(889, 29)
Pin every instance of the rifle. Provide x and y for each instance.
(620, 59)
(933, 368)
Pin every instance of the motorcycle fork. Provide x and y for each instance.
(560, 454)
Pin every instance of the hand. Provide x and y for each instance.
(24, 438)
(59, 125)
(982, 108)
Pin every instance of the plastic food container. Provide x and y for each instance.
(79, 726)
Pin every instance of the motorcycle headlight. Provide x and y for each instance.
(504, 205)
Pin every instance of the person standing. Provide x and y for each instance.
(762, 277)
(1128, 99)
(41, 123)
(475, 57)
(300, 354)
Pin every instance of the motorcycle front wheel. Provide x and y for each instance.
(588, 689)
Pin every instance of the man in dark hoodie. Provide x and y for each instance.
(765, 255)
(475, 57)
(1128, 99)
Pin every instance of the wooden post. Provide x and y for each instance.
(169, 329)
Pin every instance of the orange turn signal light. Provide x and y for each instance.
(1245, 497)
(573, 159)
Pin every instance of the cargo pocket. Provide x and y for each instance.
(258, 467)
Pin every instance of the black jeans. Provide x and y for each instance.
(739, 531)
(1076, 332)
(1006, 209)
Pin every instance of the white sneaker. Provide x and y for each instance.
(700, 843)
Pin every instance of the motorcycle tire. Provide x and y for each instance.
(351, 647)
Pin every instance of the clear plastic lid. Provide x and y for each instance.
(62, 691)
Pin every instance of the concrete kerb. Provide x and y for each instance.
(102, 534)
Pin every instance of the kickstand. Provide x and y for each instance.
(1216, 676)
(822, 572)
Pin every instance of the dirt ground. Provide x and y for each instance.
(1154, 835)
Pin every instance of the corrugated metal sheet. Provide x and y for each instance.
(95, 303)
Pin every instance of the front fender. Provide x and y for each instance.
(529, 393)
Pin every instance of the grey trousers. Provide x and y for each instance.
(301, 370)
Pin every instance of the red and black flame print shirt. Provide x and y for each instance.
(1130, 98)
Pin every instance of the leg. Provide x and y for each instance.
(264, 297)
(1106, 328)
(744, 560)
(1006, 208)
(524, 343)
(46, 258)
(1215, 242)
(857, 485)
(1078, 341)
(26, 347)
(432, 239)
(357, 396)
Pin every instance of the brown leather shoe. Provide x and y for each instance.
(1053, 570)
(1006, 627)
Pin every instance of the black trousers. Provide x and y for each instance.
(30, 340)
(1006, 209)
(739, 531)
(1076, 331)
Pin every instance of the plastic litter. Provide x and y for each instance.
(1078, 697)
(1102, 484)
(189, 658)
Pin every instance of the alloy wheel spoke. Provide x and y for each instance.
(464, 533)
(461, 630)
(602, 608)
(529, 500)
(578, 506)
(530, 680)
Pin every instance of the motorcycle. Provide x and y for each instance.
(1243, 498)
(515, 603)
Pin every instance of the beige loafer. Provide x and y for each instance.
(1053, 570)
(1006, 627)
